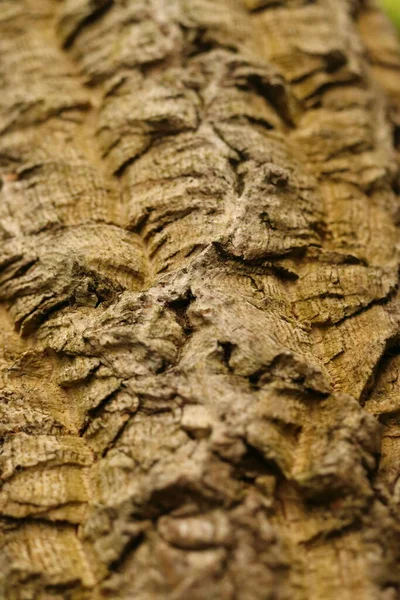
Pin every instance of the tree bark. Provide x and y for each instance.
(200, 314)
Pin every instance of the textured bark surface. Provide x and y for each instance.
(200, 318)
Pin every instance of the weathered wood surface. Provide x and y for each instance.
(200, 319)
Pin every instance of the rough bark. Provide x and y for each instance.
(200, 316)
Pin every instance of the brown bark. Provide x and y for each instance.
(200, 317)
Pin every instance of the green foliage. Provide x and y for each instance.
(392, 7)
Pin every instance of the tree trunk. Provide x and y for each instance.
(200, 314)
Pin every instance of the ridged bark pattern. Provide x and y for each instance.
(200, 363)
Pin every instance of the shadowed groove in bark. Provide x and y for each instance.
(98, 9)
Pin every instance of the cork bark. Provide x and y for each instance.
(200, 314)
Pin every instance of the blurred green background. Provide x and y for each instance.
(392, 7)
